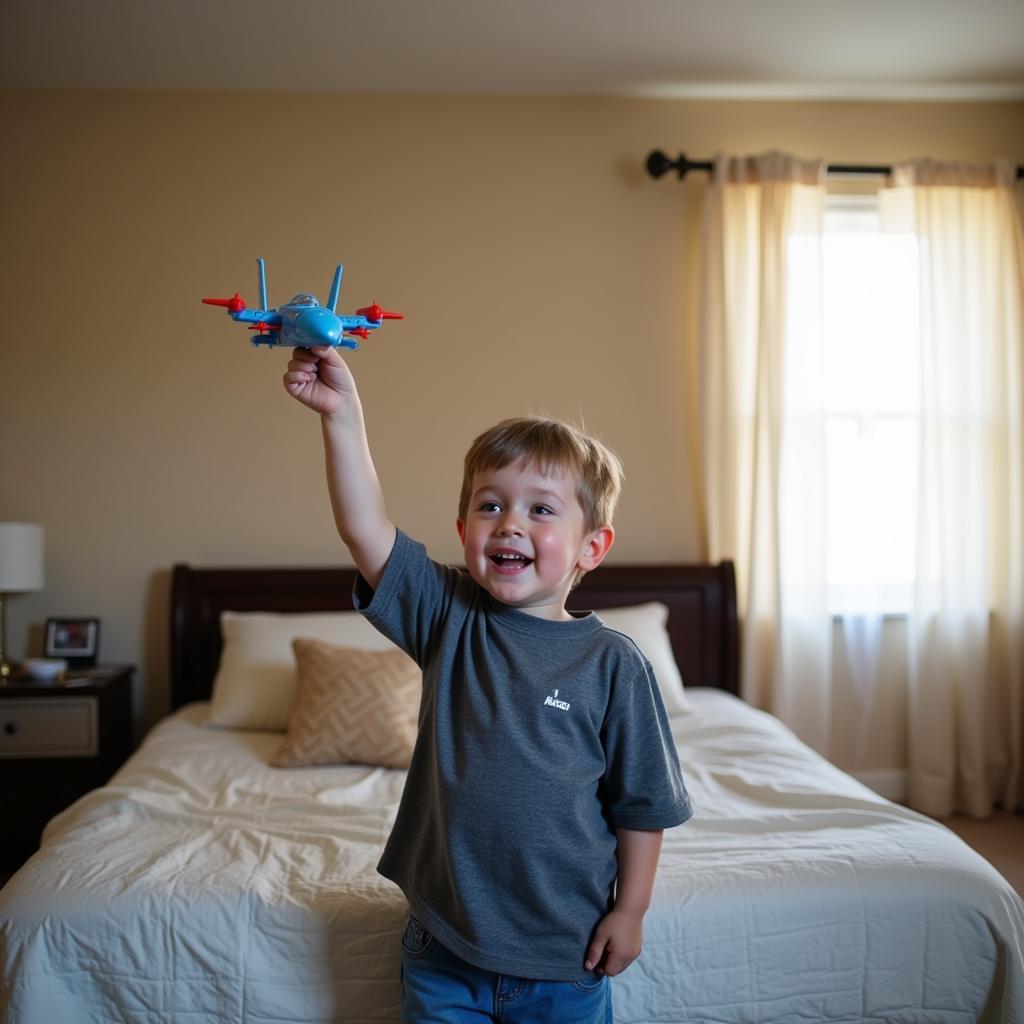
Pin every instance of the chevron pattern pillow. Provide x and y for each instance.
(352, 706)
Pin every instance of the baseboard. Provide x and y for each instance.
(890, 784)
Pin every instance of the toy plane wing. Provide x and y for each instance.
(258, 316)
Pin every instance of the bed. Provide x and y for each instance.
(203, 884)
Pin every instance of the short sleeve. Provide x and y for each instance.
(411, 598)
(643, 784)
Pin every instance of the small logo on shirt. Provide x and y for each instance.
(552, 701)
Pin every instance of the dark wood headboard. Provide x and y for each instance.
(701, 599)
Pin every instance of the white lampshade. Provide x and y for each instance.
(21, 557)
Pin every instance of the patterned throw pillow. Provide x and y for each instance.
(352, 706)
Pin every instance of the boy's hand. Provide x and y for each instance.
(319, 378)
(616, 943)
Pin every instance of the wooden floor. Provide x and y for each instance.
(999, 839)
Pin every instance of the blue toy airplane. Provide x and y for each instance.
(303, 322)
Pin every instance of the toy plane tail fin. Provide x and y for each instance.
(332, 299)
(262, 285)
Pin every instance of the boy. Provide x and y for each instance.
(544, 770)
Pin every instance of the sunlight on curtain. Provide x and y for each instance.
(872, 380)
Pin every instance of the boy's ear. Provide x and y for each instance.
(461, 527)
(596, 545)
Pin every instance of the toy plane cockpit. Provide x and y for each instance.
(303, 322)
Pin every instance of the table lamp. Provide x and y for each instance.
(21, 570)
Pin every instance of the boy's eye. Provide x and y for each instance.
(489, 506)
(543, 510)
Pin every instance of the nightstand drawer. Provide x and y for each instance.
(49, 728)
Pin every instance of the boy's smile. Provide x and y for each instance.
(508, 562)
(525, 538)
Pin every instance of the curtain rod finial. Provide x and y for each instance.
(658, 164)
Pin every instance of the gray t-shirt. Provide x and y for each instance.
(536, 740)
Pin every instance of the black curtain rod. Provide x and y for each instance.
(658, 164)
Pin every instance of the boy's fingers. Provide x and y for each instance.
(615, 965)
(594, 953)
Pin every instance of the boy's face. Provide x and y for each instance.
(525, 538)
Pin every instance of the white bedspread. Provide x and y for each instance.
(202, 885)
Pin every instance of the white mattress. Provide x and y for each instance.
(202, 885)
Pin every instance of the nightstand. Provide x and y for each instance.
(58, 741)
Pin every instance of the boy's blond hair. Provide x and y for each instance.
(550, 445)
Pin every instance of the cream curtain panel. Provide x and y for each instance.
(763, 462)
(763, 448)
(966, 629)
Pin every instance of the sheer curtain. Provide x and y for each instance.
(763, 443)
(765, 473)
(966, 628)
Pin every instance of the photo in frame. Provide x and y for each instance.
(76, 640)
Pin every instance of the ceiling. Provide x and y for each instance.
(769, 49)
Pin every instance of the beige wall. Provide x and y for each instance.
(539, 269)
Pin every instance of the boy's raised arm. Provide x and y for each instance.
(320, 379)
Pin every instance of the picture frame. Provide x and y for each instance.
(75, 640)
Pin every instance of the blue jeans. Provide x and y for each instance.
(440, 988)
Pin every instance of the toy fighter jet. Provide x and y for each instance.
(303, 322)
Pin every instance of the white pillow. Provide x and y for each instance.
(255, 685)
(644, 624)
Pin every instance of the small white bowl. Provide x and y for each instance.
(45, 668)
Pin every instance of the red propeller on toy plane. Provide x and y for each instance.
(233, 305)
(376, 314)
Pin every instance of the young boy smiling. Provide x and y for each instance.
(525, 539)
(544, 770)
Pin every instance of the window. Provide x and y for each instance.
(871, 400)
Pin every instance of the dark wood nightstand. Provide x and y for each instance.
(58, 741)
